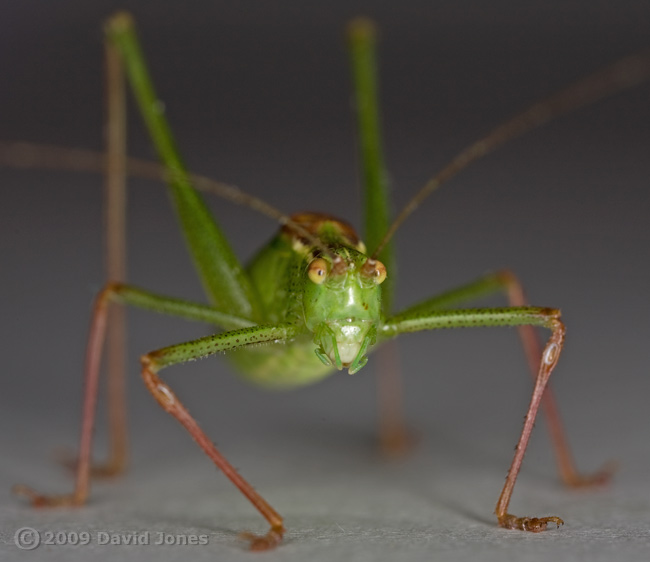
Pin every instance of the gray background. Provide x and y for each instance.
(259, 96)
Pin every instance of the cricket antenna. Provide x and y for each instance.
(623, 74)
(50, 157)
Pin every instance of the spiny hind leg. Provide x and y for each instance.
(115, 267)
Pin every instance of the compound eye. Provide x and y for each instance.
(375, 270)
(380, 273)
(317, 271)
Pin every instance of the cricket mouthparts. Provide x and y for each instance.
(343, 344)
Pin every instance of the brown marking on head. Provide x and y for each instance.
(314, 223)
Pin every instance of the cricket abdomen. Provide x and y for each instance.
(281, 366)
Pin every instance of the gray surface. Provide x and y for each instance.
(260, 97)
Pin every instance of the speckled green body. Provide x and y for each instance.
(279, 274)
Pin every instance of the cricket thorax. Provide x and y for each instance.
(342, 294)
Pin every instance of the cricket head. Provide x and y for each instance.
(342, 306)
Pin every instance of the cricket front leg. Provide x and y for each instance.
(548, 361)
(533, 349)
(126, 295)
(505, 281)
(416, 320)
(153, 362)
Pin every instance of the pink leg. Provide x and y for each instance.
(394, 438)
(532, 346)
(171, 404)
(91, 379)
(548, 361)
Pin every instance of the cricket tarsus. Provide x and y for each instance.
(42, 500)
(531, 524)
(599, 478)
(264, 542)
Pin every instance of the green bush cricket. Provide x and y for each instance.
(328, 257)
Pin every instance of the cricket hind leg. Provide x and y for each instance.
(115, 267)
(115, 257)
(115, 196)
